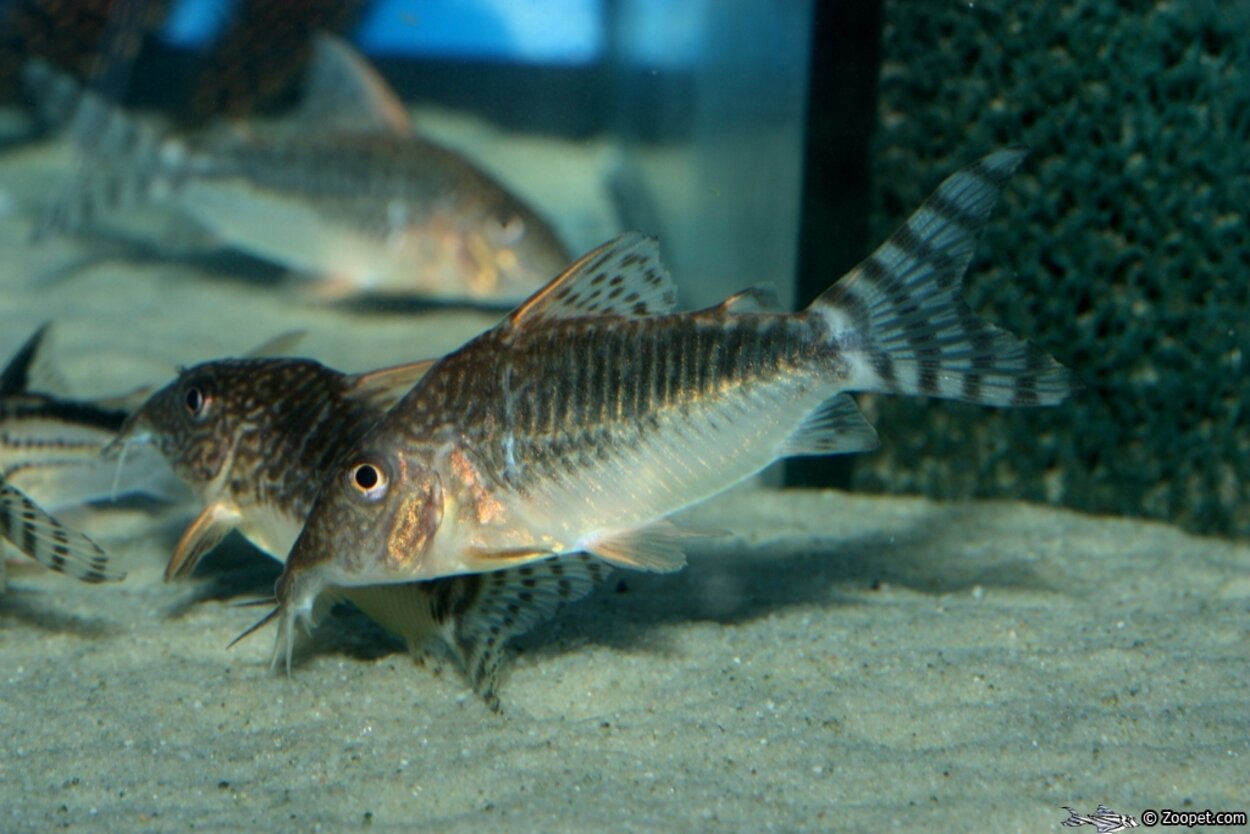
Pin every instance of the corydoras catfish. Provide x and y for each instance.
(253, 436)
(592, 412)
(350, 195)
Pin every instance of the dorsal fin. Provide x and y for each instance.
(623, 277)
(762, 298)
(344, 93)
(386, 386)
(15, 379)
(279, 346)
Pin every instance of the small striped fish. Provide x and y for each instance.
(253, 436)
(1104, 820)
(354, 196)
(593, 412)
(49, 542)
(50, 446)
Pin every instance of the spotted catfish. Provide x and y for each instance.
(351, 195)
(592, 412)
(253, 436)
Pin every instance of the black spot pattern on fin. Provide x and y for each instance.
(510, 603)
(624, 277)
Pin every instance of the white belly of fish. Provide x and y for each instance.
(271, 530)
(296, 235)
(595, 508)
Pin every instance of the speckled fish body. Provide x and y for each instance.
(593, 412)
(253, 436)
(50, 446)
(248, 436)
(355, 198)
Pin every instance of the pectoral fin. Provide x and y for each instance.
(488, 559)
(211, 526)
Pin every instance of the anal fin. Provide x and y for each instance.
(835, 427)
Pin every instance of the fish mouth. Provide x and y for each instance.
(132, 433)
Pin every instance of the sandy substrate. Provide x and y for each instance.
(842, 663)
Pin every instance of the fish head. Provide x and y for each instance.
(374, 522)
(198, 420)
(509, 252)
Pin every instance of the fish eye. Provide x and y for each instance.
(195, 401)
(368, 480)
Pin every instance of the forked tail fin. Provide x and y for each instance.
(121, 156)
(899, 320)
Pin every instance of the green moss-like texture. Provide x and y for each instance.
(1122, 246)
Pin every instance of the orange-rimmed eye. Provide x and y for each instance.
(368, 480)
(195, 400)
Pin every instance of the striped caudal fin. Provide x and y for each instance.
(120, 155)
(900, 322)
(50, 543)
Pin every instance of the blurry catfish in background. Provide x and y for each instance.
(591, 413)
(254, 436)
(50, 446)
(349, 195)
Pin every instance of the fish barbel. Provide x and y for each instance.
(253, 437)
(351, 195)
(592, 412)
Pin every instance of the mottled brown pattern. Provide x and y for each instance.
(275, 425)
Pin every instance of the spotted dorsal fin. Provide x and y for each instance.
(384, 387)
(623, 277)
(15, 378)
(344, 93)
(49, 542)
